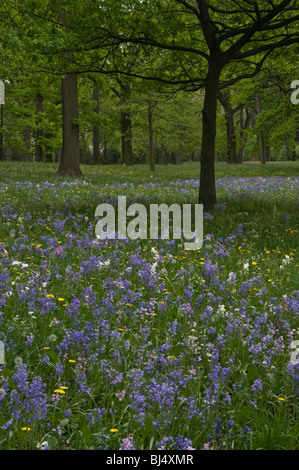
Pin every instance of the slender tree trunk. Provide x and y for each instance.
(241, 149)
(96, 130)
(1, 131)
(261, 133)
(180, 156)
(105, 152)
(163, 155)
(151, 136)
(126, 127)
(70, 154)
(9, 154)
(39, 132)
(49, 152)
(26, 139)
(268, 153)
(231, 136)
(224, 98)
(126, 138)
(207, 187)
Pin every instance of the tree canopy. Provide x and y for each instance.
(111, 68)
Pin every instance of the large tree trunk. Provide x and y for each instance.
(151, 137)
(207, 187)
(70, 154)
(39, 132)
(96, 130)
(126, 127)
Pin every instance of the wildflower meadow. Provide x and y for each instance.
(140, 344)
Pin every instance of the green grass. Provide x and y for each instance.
(102, 174)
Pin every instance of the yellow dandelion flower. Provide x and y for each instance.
(113, 430)
(63, 387)
(60, 299)
(58, 390)
(26, 429)
(50, 296)
(72, 360)
(281, 399)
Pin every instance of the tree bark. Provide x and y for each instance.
(70, 154)
(207, 186)
(96, 130)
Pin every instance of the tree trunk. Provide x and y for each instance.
(126, 127)
(26, 139)
(241, 149)
(231, 137)
(163, 155)
(96, 130)
(207, 187)
(180, 156)
(58, 155)
(105, 152)
(39, 132)
(261, 133)
(151, 137)
(1, 132)
(224, 98)
(268, 153)
(70, 154)
(49, 152)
